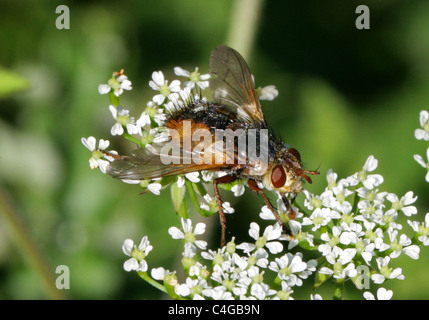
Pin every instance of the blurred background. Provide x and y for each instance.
(344, 94)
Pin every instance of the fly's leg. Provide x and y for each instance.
(291, 212)
(254, 187)
(221, 180)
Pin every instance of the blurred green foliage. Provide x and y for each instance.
(344, 94)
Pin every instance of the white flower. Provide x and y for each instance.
(403, 204)
(191, 287)
(195, 78)
(423, 134)
(210, 204)
(422, 229)
(331, 241)
(292, 269)
(218, 293)
(272, 232)
(403, 245)
(268, 93)
(338, 258)
(96, 160)
(386, 272)
(369, 181)
(298, 236)
(319, 217)
(158, 83)
(261, 290)
(424, 164)
(188, 234)
(382, 294)
(119, 82)
(136, 254)
(123, 119)
(144, 121)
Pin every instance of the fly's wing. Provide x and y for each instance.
(233, 84)
(144, 164)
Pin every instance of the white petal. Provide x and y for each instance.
(158, 273)
(186, 225)
(370, 164)
(102, 164)
(174, 86)
(93, 163)
(155, 188)
(176, 233)
(182, 290)
(193, 176)
(273, 232)
(274, 247)
(254, 230)
(181, 72)
(104, 89)
(201, 244)
(113, 111)
(383, 294)
(368, 296)
(142, 266)
(103, 144)
(89, 143)
(159, 99)
(423, 117)
(200, 228)
(131, 264)
(412, 251)
(128, 246)
(117, 130)
(378, 278)
(158, 80)
(227, 207)
(420, 160)
(421, 134)
(238, 190)
(266, 214)
(409, 211)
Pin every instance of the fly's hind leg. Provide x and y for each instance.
(224, 179)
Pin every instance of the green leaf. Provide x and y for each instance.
(177, 196)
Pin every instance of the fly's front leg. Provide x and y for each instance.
(224, 179)
(254, 187)
(291, 212)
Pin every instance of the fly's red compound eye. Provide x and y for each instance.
(295, 153)
(278, 176)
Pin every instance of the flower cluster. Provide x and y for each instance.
(352, 225)
(352, 231)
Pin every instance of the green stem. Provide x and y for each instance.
(28, 248)
(129, 137)
(243, 25)
(338, 290)
(151, 281)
